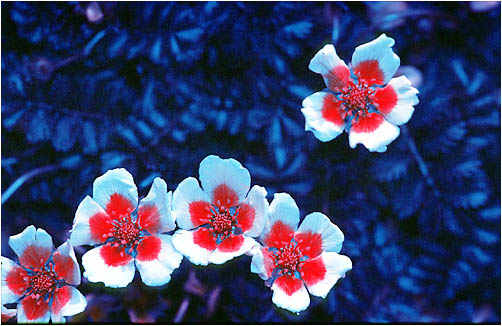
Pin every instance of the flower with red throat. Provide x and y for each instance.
(219, 222)
(126, 235)
(43, 280)
(293, 257)
(366, 101)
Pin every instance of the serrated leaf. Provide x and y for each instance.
(390, 169)
(468, 168)
(408, 199)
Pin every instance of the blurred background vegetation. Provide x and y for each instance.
(156, 87)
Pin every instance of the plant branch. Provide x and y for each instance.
(420, 161)
(25, 177)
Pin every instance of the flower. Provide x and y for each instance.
(126, 236)
(43, 281)
(218, 223)
(359, 102)
(293, 257)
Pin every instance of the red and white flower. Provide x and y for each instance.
(292, 258)
(218, 223)
(359, 102)
(43, 280)
(126, 235)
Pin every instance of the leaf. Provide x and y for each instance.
(39, 127)
(65, 135)
(409, 285)
(472, 200)
(110, 160)
(190, 35)
(89, 134)
(128, 134)
(408, 199)
(300, 29)
(491, 213)
(389, 169)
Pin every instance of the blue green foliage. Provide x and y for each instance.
(156, 87)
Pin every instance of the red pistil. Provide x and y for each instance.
(357, 99)
(42, 284)
(287, 259)
(125, 232)
(222, 222)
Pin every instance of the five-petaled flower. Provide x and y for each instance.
(125, 235)
(292, 257)
(218, 223)
(359, 103)
(43, 281)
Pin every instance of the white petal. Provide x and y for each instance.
(76, 304)
(215, 171)
(158, 271)
(332, 236)
(261, 264)
(66, 250)
(8, 296)
(284, 209)
(336, 266)
(96, 270)
(188, 191)
(116, 181)
(161, 199)
(258, 201)
(402, 110)
(220, 257)
(323, 129)
(376, 140)
(38, 238)
(81, 232)
(327, 63)
(380, 49)
(295, 302)
(183, 242)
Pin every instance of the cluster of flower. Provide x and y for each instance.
(217, 222)
(223, 219)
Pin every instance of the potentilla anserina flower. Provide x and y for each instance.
(364, 100)
(126, 234)
(293, 257)
(43, 280)
(219, 222)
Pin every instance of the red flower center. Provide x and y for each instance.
(288, 259)
(125, 232)
(42, 282)
(357, 99)
(222, 222)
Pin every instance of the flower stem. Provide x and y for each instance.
(25, 177)
(420, 161)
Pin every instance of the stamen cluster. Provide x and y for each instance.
(222, 222)
(125, 232)
(43, 282)
(357, 99)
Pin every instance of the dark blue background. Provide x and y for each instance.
(156, 87)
